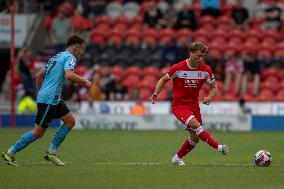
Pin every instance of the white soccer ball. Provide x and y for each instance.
(262, 158)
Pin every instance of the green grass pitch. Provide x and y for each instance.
(141, 159)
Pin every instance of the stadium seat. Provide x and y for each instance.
(268, 72)
(117, 71)
(115, 40)
(114, 9)
(137, 20)
(97, 39)
(169, 85)
(254, 33)
(131, 9)
(237, 33)
(132, 81)
(264, 54)
(103, 20)
(163, 95)
(267, 85)
(265, 95)
(230, 97)
(202, 34)
(147, 83)
(145, 94)
(121, 20)
(221, 33)
(134, 70)
(152, 70)
(81, 70)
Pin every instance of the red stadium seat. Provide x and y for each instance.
(224, 20)
(77, 21)
(237, 33)
(137, 20)
(132, 40)
(222, 33)
(81, 70)
(152, 70)
(133, 70)
(121, 20)
(150, 32)
(97, 39)
(166, 36)
(117, 71)
(230, 97)
(134, 32)
(267, 85)
(147, 83)
(202, 34)
(103, 20)
(272, 33)
(116, 40)
(163, 95)
(264, 54)
(279, 53)
(184, 33)
(254, 33)
(132, 81)
(169, 85)
(269, 72)
(145, 94)
(265, 95)
(149, 40)
(214, 53)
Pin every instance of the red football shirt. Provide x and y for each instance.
(188, 81)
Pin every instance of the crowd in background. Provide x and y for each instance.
(239, 68)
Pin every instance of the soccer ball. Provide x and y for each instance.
(262, 158)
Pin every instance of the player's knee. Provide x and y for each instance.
(37, 133)
(70, 123)
(194, 124)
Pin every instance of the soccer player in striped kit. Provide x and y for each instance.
(188, 77)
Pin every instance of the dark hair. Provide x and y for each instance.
(73, 40)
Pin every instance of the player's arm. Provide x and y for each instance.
(70, 75)
(212, 93)
(159, 87)
(39, 78)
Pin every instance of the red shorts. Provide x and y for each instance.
(186, 113)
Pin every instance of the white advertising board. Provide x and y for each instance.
(158, 122)
(22, 25)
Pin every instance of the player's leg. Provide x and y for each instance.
(41, 123)
(68, 120)
(205, 136)
(188, 144)
(62, 131)
(185, 148)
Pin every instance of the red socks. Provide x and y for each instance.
(186, 147)
(206, 137)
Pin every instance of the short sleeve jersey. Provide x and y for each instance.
(54, 79)
(188, 81)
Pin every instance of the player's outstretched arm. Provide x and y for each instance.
(39, 78)
(159, 87)
(70, 75)
(212, 93)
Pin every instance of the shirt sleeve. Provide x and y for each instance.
(172, 72)
(69, 64)
(209, 76)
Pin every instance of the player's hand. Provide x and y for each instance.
(206, 100)
(153, 98)
(88, 83)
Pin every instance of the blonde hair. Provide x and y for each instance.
(198, 46)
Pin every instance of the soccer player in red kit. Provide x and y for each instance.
(188, 77)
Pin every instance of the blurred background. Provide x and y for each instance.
(131, 44)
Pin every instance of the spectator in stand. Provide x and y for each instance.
(170, 16)
(272, 16)
(210, 7)
(240, 16)
(119, 92)
(233, 69)
(96, 90)
(70, 92)
(153, 17)
(27, 104)
(61, 29)
(94, 8)
(138, 108)
(107, 81)
(251, 69)
(25, 62)
(243, 108)
(186, 19)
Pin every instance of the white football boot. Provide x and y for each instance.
(177, 161)
(224, 149)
